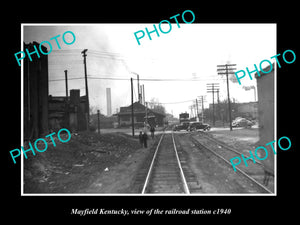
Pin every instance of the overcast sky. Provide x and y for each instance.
(192, 51)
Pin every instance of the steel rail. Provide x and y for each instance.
(185, 186)
(242, 172)
(225, 146)
(151, 165)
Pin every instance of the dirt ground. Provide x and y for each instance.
(239, 138)
(242, 140)
(121, 178)
(212, 175)
(77, 166)
(116, 163)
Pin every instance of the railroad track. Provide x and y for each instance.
(168, 170)
(224, 146)
(165, 174)
(226, 159)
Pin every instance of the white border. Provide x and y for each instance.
(275, 120)
(95, 194)
(22, 113)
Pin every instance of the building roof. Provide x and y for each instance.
(63, 98)
(30, 46)
(138, 108)
(265, 69)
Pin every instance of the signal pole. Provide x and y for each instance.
(226, 69)
(87, 105)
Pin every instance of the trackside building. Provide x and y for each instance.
(265, 92)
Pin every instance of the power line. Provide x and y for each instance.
(166, 103)
(66, 50)
(177, 79)
(108, 78)
(62, 79)
(143, 79)
(152, 79)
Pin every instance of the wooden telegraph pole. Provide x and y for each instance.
(197, 110)
(67, 119)
(132, 113)
(87, 105)
(66, 80)
(98, 113)
(225, 70)
(212, 88)
(201, 101)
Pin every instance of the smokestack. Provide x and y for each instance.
(144, 100)
(108, 101)
(141, 95)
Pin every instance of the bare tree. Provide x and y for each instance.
(156, 106)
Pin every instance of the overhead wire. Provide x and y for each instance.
(141, 79)
(185, 101)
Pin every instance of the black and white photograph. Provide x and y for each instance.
(142, 111)
(147, 112)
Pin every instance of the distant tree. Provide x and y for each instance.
(156, 106)
(221, 110)
(93, 109)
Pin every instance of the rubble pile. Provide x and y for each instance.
(71, 166)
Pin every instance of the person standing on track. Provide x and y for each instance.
(152, 130)
(141, 138)
(145, 138)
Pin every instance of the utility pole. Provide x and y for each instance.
(132, 113)
(66, 79)
(144, 100)
(87, 105)
(197, 110)
(98, 113)
(138, 86)
(202, 100)
(226, 69)
(191, 107)
(211, 88)
(67, 119)
(218, 104)
(146, 113)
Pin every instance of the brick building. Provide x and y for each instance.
(67, 113)
(35, 93)
(141, 114)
